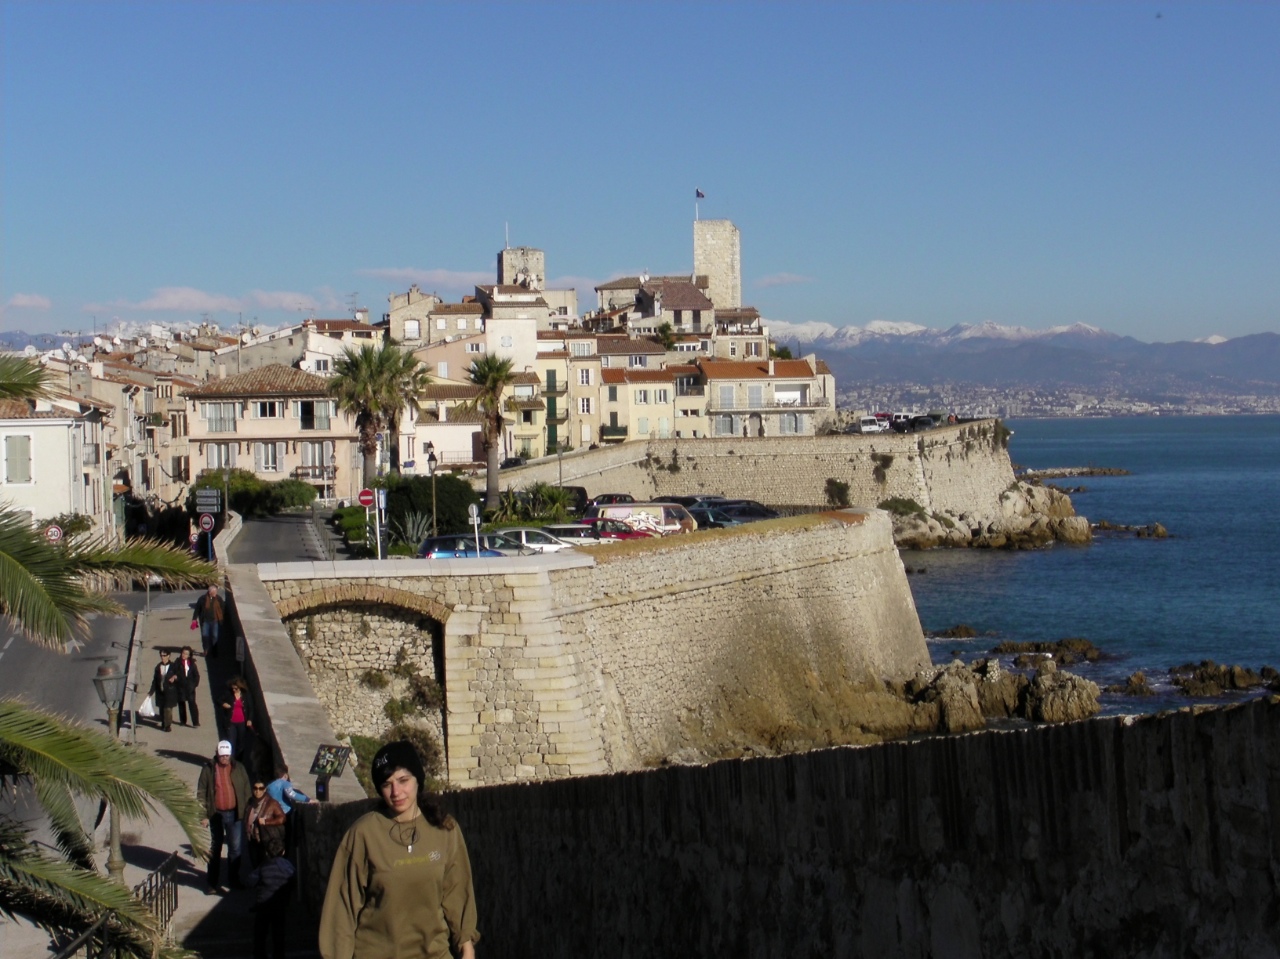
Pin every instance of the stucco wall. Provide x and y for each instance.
(577, 663)
(1149, 837)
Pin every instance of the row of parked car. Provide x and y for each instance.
(607, 518)
(894, 422)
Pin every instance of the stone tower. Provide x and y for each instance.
(522, 266)
(717, 254)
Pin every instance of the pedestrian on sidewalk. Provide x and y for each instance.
(284, 792)
(164, 690)
(272, 887)
(223, 791)
(263, 821)
(401, 881)
(187, 673)
(209, 616)
(238, 715)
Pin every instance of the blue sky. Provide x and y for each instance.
(1030, 164)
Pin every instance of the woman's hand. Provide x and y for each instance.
(468, 950)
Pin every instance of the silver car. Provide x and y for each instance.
(532, 538)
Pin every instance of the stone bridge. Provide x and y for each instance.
(609, 660)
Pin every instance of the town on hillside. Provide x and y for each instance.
(134, 420)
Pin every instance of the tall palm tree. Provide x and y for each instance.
(46, 591)
(375, 384)
(492, 375)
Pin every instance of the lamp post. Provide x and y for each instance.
(226, 487)
(560, 460)
(431, 468)
(110, 683)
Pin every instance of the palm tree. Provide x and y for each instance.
(375, 384)
(46, 591)
(492, 375)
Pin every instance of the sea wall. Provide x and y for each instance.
(962, 468)
(1151, 837)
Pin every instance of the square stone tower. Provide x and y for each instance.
(522, 266)
(717, 255)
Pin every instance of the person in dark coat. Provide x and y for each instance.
(164, 690)
(272, 886)
(187, 674)
(210, 617)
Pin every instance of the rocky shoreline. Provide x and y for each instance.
(1028, 516)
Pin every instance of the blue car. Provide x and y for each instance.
(454, 547)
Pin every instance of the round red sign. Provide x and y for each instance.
(53, 533)
(206, 521)
(365, 498)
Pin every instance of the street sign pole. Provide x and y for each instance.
(382, 517)
(474, 512)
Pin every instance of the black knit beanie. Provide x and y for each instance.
(393, 756)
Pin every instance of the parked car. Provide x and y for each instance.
(611, 529)
(922, 422)
(534, 539)
(662, 518)
(437, 547)
(580, 498)
(696, 499)
(710, 517)
(868, 424)
(900, 422)
(747, 510)
(605, 499)
(511, 461)
(578, 534)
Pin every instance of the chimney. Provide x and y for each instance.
(222, 371)
(771, 366)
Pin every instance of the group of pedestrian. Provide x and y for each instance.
(175, 684)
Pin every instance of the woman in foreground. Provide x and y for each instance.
(401, 882)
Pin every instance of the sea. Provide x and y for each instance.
(1210, 591)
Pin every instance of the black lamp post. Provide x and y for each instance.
(431, 468)
(110, 683)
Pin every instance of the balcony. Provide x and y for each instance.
(314, 472)
(559, 416)
(613, 433)
(746, 406)
(556, 389)
(691, 391)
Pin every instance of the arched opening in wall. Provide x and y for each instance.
(378, 670)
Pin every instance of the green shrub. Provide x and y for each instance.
(412, 494)
(374, 679)
(883, 461)
(250, 496)
(837, 493)
(901, 506)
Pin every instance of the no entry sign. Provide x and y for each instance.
(366, 498)
(206, 522)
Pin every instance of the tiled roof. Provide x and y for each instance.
(740, 314)
(553, 355)
(25, 410)
(755, 369)
(450, 391)
(526, 376)
(679, 295)
(469, 309)
(823, 368)
(611, 376)
(624, 345)
(273, 380)
(633, 282)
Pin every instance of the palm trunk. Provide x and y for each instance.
(492, 453)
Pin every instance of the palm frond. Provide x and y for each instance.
(52, 749)
(21, 379)
(141, 557)
(58, 802)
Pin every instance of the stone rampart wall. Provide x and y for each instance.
(962, 468)
(577, 663)
(1149, 837)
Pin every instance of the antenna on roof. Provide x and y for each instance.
(506, 236)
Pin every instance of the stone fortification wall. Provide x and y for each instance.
(571, 664)
(960, 468)
(1149, 837)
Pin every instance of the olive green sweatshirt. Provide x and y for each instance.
(388, 901)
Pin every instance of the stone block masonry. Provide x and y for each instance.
(575, 664)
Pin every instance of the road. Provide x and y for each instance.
(287, 538)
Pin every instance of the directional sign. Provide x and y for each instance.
(365, 498)
(53, 533)
(209, 500)
(206, 522)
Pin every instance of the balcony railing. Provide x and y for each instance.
(691, 391)
(746, 406)
(556, 389)
(613, 432)
(314, 472)
(560, 416)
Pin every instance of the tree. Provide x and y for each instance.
(492, 375)
(47, 591)
(666, 336)
(375, 384)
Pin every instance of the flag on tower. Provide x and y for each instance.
(698, 194)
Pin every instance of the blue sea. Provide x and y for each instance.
(1209, 591)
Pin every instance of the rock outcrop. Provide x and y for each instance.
(1027, 516)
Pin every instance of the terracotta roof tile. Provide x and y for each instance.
(625, 346)
(754, 369)
(453, 309)
(450, 391)
(679, 295)
(272, 380)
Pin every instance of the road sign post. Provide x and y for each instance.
(53, 533)
(206, 526)
(473, 511)
(367, 499)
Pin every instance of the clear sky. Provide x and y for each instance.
(1030, 164)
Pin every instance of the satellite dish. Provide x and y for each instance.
(115, 340)
(81, 358)
(246, 337)
(257, 331)
(30, 350)
(97, 341)
(66, 347)
(194, 331)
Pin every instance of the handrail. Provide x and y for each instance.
(158, 892)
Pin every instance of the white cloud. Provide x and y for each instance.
(782, 279)
(179, 299)
(284, 300)
(29, 301)
(432, 280)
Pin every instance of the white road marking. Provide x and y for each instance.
(10, 642)
(73, 645)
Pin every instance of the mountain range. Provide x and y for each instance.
(1079, 356)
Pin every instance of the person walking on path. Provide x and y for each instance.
(187, 674)
(164, 690)
(272, 887)
(223, 791)
(263, 821)
(209, 616)
(238, 718)
(401, 881)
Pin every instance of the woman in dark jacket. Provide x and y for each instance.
(164, 690)
(238, 716)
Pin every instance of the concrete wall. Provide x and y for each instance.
(963, 468)
(576, 663)
(1149, 837)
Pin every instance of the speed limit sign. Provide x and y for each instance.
(206, 521)
(53, 533)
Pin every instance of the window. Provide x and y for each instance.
(220, 416)
(724, 425)
(313, 414)
(664, 428)
(442, 323)
(642, 425)
(580, 348)
(316, 454)
(662, 396)
(613, 394)
(177, 424)
(679, 317)
(17, 458)
(267, 409)
(267, 457)
(638, 360)
(412, 330)
(688, 347)
(442, 370)
(584, 405)
(180, 469)
(322, 365)
(733, 347)
(506, 342)
(642, 398)
(789, 424)
(563, 311)
(755, 397)
(526, 417)
(220, 455)
(476, 347)
(584, 376)
(752, 348)
(726, 397)
(462, 322)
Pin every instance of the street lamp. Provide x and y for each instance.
(110, 683)
(226, 486)
(431, 468)
(560, 460)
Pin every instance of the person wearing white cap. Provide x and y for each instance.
(223, 790)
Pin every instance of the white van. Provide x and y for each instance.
(664, 518)
(869, 424)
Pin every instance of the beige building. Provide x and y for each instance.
(637, 404)
(769, 398)
(276, 422)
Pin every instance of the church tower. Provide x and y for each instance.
(717, 255)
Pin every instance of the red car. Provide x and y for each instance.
(616, 529)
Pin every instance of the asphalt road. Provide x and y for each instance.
(287, 538)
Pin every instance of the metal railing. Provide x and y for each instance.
(158, 892)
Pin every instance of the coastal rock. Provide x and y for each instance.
(1027, 517)
(954, 689)
(999, 691)
(1207, 678)
(1058, 697)
(1135, 685)
(1074, 530)
(1064, 652)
